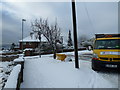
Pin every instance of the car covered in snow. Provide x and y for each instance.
(106, 51)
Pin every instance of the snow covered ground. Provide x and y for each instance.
(47, 72)
(5, 69)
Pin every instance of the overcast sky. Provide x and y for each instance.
(92, 17)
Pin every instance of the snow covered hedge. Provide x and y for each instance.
(13, 78)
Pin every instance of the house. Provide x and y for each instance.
(32, 41)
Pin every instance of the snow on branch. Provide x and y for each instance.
(51, 32)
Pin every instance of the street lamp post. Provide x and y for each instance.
(75, 34)
(22, 32)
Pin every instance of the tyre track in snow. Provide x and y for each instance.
(111, 76)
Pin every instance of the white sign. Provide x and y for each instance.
(110, 53)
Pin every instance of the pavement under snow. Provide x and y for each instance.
(47, 72)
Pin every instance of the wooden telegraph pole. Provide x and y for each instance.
(75, 34)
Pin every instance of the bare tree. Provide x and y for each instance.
(50, 32)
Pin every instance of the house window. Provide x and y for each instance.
(24, 43)
(30, 43)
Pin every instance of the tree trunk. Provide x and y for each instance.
(40, 49)
(54, 51)
(54, 54)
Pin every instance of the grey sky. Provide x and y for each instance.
(92, 17)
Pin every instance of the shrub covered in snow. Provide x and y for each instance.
(68, 59)
(20, 59)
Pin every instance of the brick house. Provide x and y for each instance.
(32, 41)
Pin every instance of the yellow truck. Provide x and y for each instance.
(106, 52)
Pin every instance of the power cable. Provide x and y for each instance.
(90, 21)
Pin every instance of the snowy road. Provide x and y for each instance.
(112, 77)
(46, 72)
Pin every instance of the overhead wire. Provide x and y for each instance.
(89, 18)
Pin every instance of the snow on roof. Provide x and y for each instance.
(34, 38)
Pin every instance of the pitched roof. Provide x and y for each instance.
(34, 38)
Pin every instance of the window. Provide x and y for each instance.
(24, 43)
(107, 44)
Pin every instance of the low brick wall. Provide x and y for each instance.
(15, 78)
(20, 77)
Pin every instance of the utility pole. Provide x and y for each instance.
(75, 34)
(22, 32)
